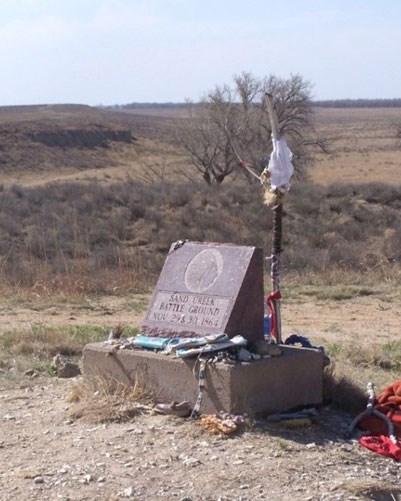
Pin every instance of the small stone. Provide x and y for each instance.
(39, 480)
(64, 367)
(101, 479)
(29, 372)
(137, 431)
(311, 445)
(128, 492)
(188, 460)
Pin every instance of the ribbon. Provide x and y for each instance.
(271, 304)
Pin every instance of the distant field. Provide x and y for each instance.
(362, 143)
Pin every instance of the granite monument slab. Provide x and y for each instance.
(208, 288)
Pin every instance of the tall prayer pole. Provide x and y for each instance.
(275, 179)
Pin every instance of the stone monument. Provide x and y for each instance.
(207, 288)
(203, 289)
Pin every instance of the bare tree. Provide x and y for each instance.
(232, 123)
(206, 135)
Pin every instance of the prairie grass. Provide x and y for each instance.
(35, 347)
(338, 292)
(101, 400)
(89, 238)
(353, 366)
(385, 356)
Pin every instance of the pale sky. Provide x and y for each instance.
(121, 51)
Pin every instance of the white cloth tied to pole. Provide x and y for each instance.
(280, 166)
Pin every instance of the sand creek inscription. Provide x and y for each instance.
(208, 288)
(189, 309)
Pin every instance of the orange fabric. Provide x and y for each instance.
(389, 404)
(391, 394)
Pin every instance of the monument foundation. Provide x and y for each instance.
(275, 384)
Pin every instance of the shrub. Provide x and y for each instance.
(87, 231)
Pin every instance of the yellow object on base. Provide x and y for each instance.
(296, 423)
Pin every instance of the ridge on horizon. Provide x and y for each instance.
(316, 103)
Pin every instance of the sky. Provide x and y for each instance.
(121, 51)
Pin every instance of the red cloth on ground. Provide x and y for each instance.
(381, 444)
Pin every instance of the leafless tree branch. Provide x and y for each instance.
(232, 124)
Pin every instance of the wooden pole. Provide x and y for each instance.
(275, 265)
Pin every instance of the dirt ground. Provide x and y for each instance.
(47, 455)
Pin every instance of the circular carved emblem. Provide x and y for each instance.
(203, 270)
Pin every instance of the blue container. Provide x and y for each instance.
(266, 325)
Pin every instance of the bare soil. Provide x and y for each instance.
(47, 455)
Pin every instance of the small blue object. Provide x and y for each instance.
(266, 325)
(151, 343)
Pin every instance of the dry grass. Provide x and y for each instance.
(353, 366)
(101, 400)
(91, 238)
(35, 347)
(340, 390)
(362, 143)
(369, 489)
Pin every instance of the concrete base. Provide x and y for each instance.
(277, 384)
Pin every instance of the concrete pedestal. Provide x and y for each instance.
(277, 384)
